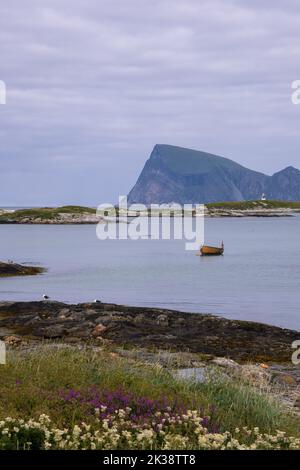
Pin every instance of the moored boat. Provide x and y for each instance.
(212, 250)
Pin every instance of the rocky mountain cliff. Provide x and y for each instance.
(175, 174)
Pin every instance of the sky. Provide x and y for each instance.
(93, 85)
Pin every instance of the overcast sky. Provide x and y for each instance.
(93, 85)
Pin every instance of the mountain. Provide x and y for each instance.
(284, 185)
(176, 174)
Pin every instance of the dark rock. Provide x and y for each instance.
(14, 269)
(148, 328)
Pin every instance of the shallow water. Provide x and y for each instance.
(258, 278)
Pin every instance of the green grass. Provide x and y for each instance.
(31, 380)
(42, 373)
(240, 404)
(244, 205)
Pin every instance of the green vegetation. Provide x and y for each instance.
(240, 404)
(45, 213)
(66, 384)
(31, 380)
(244, 205)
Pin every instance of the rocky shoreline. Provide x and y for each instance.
(259, 212)
(187, 344)
(153, 328)
(85, 215)
(59, 219)
(14, 269)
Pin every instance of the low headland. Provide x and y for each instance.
(253, 209)
(50, 215)
(14, 269)
(88, 215)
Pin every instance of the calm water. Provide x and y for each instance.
(257, 279)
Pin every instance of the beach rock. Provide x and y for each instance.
(162, 320)
(91, 313)
(212, 336)
(285, 379)
(13, 340)
(64, 313)
(180, 321)
(57, 330)
(224, 362)
(14, 269)
(99, 330)
(139, 318)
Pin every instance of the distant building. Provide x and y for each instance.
(263, 197)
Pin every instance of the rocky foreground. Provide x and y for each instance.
(147, 328)
(14, 269)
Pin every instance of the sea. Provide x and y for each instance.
(257, 278)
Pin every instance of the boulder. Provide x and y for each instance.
(12, 340)
(99, 330)
(224, 362)
(286, 380)
(162, 320)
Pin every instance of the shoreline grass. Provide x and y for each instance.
(67, 384)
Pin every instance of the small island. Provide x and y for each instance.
(51, 215)
(14, 269)
(77, 215)
(259, 208)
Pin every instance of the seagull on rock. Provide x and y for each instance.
(46, 297)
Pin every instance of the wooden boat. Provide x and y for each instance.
(206, 250)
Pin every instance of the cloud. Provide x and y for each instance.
(92, 86)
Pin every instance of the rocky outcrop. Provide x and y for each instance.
(175, 174)
(146, 327)
(258, 212)
(59, 219)
(51, 215)
(14, 269)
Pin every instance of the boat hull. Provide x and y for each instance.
(211, 250)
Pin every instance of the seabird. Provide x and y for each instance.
(96, 301)
(46, 297)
